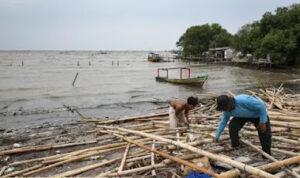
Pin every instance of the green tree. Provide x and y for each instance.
(198, 39)
(275, 34)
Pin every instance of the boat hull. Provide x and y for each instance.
(199, 81)
(154, 59)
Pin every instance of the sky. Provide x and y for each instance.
(118, 24)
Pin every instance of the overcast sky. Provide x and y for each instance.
(118, 24)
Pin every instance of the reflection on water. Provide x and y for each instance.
(127, 87)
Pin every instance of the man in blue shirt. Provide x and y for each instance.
(244, 108)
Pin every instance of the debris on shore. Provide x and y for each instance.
(145, 146)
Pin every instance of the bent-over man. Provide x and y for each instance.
(244, 108)
(179, 108)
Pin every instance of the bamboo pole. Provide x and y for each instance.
(3, 169)
(86, 168)
(284, 118)
(279, 90)
(131, 118)
(283, 173)
(233, 163)
(124, 158)
(90, 167)
(42, 147)
(75, 153)
(286, 147)
(281, 163)
(23, 171)
(285, 152)
(75, 158)
(152, 159)
(230, 93)
(295, 125)
(37, 159)
(281, 139)
(138, 158)
(173, 158)
(231, 173)
(162, 164)
(269, 157)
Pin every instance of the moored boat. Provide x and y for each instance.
(199, 80)
(153, 57)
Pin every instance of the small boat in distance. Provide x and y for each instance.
(153, 57)
(199, 80)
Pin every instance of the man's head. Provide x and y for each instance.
(225, 103)
(192, 102)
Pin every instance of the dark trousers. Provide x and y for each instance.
(236, 124)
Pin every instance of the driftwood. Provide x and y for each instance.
(42, 147)
(75, 158)
(105, 148)
(173, 158)
(127, 119)
(285, 152)
(281, 163)
(281, 139)
(162, 164)
(275, 95)
(287, 147)
(90, 167)
(23, 171)
(37, 159)
(284, 118)
(2, 170)
(233, 163)
(124, 158)
(86, 168)
(269, 157)
(283, 173)
(152, 159)
(231, 174)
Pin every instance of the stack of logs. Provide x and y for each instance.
(145, 146)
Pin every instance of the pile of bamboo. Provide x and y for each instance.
(146, 146)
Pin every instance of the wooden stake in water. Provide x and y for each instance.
(75, 79)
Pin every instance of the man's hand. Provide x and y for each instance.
(215, 140)
(262, 127)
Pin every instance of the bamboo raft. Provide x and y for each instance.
(145, 146)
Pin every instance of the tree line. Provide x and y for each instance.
(275, 34)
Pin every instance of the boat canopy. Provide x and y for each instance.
(153, 55)
(171, 68)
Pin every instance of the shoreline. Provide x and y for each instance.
(50, 140)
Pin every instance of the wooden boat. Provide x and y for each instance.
(199, 80)
(153, 57)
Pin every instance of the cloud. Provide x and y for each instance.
(117, 24)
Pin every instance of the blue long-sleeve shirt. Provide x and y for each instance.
(246, 106)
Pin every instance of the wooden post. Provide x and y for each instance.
(75, 79)
(180, 73)
(167, 73)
